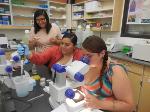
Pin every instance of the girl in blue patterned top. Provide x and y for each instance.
(107, 86)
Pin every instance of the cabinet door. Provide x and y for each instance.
(135, 83)
(144, 104)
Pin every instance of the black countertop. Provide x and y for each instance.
(40, 104)
(122, 56)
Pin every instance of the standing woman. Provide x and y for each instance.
(44, 33)
(107, 86)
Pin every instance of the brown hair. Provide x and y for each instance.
(96, 44)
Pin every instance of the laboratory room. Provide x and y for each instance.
(74, 56)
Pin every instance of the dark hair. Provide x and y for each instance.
(38, 13)
(96, 44)
(71, 36)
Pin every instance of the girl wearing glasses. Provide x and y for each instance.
(107, 86)
(44, 33)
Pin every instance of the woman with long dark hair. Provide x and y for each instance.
(44, 33)
(64, 54)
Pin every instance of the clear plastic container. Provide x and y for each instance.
(22, 86)
(25, 39)
(34, 70)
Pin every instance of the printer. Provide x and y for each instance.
(3, 42)
(141, 51)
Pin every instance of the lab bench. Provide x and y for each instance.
(139, 75)
(40, 104)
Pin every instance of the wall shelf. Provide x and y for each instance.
(14, 27)
(108, 12)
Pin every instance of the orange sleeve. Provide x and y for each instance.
(41, 58)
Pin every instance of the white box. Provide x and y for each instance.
(141, 52)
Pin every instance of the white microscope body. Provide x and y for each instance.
(58, 94)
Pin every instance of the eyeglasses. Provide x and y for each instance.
(40, 19)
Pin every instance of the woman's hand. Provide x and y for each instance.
(92, 101)
(34, 42)
(52, 39)
(55, 41)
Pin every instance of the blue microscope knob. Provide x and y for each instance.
(69, 93)
(8, 69)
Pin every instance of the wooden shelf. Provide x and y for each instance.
(99, 17)
(58, 18)
(100, 30)
(27, 6)
(4, 3)
(110, 12)
(101, 10)
(78, 19)
(14, 27)
(2, 14)
(133, 23)
(23, 16)
(78, 11)
(57, 10)
(79, 3)
(60, 3)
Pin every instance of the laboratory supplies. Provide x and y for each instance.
(141, 51)
(25, 38)
(42, 82)
(21, 85)
(75, 72)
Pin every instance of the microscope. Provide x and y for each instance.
(64, 97)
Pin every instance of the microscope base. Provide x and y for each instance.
(63, 108)
(53, 103)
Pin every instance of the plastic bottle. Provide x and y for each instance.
(34, 70)
(25, 39)
(87, 32)
(79, 34)
(2, 56)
